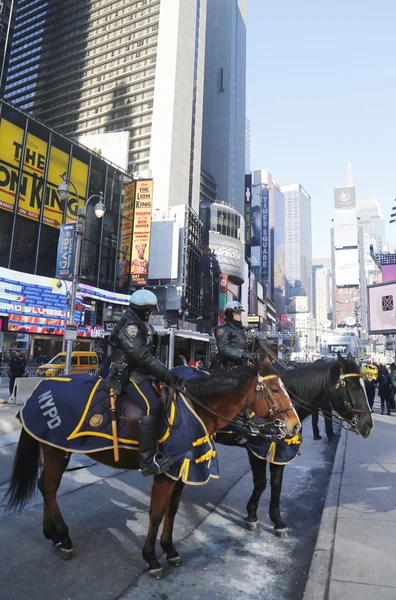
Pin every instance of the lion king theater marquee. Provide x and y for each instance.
(115, 252)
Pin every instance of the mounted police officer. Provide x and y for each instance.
(231, 338)
(134, 343)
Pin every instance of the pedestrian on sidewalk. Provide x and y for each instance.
(370, 374)
(17, 366)
(384, 389)
(327, 412)
(393, 386)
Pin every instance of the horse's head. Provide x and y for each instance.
(349, 398)
(272, 399)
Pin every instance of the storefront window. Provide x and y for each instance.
(25, 245)
(48, 248)
(6, 220)
(89, 263)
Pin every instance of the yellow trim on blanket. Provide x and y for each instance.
(57, 379)
(210, 454)
(202, 440)
(271, 452)
(142, 395)
(171, 421)
(76, 433)
(184, 469)
(294, 440)
(86, 409)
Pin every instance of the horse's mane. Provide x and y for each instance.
(220, 382)
(308, 382)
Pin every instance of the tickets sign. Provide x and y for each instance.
(141, 232)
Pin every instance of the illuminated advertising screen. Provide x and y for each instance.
(382, 308)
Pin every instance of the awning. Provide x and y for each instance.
(191, 335)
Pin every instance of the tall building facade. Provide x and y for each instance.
(298, 242)
(7, 23)
(268, 237)
(248, 135)
(119, 65)
(224, 117)
(345, 255)
(371, 232)
(321, 293)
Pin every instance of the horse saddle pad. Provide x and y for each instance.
(279, 452)
(73, 414)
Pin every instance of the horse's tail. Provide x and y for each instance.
(23, 480)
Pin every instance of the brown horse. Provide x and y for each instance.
(220, 397)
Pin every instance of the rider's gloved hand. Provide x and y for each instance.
(174, 379)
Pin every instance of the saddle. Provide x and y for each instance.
(133, 412)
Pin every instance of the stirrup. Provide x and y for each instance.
(159, 464)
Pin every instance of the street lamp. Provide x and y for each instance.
(67, 303)
(100, 209)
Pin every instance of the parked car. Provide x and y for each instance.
(82, 362)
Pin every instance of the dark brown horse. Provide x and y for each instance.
(226, 394)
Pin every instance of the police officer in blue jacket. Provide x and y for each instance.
(134, 343)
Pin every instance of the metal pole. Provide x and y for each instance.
(171, 348)
(73, 291)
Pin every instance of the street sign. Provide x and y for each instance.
(71, 332)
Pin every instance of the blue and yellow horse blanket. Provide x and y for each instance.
(280, 452)
(72, 413)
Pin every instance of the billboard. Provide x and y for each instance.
(34, 304)
(113, 146)
(347, 267)
(248, 208)
(223, 285)
(346, 299)
(26, 166)
(344, 198)
(125, 241)
(382, 308)
(345, 229)
(141, 231)
(264, 233)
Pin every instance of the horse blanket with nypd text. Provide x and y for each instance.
(280, 452)
(72, 413)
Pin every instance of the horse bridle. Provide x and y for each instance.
(274, 412)
(347, 404)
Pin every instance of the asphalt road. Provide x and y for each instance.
(106, 511)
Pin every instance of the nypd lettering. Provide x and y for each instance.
(47, 405)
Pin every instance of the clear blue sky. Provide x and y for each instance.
(321, 92)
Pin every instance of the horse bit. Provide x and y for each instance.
(275, 413)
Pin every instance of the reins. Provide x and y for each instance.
(261, 386)
(341, 383)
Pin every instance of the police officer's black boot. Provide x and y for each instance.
(151, 461)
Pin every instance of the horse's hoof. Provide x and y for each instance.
(66, 553)
(252, 526)
(282, 533)
(157, 573)
(175, 562)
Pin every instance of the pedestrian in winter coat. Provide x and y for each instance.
(384, 389)
(17, 366)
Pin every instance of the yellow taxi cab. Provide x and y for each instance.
(82, 362)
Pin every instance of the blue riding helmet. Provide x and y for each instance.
(143, 300)
(234, 306)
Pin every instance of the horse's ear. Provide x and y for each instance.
(335, 371)
(341, 360)
(350, 358)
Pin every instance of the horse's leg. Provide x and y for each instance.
(276, 489)
(160, 496)
(259, 471)
(55, 462)
(172, 555)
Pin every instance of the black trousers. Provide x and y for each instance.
(326, 407)
(12, 382)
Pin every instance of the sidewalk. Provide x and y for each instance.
(354, 553)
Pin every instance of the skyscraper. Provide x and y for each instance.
(371, 232)
(247, 146)
(298, 242)
(121, 65)
(224, 117)
(321, 292)
(7, 22)
(268, 236)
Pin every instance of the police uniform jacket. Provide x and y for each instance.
(231, 343)
(134, 342)
(17, 366)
